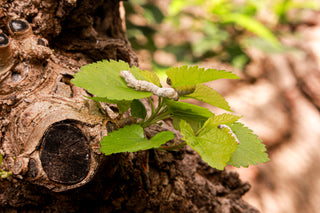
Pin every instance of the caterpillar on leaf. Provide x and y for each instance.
(221, 126)
(140, 85)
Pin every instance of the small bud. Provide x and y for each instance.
(169, 82)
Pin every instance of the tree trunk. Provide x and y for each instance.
(50, 133)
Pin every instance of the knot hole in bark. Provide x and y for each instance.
(65, 153)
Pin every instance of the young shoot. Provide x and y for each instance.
(220, 139)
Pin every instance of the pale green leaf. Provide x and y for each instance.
(195, 124)
(131, 139)
(250, 151)
(215, 146)
(137, 73)
(208, 95)
(185, 90)
(216, 120)
(138, 109)
(193, 114)
(177, 6)
(151, 77)
(193, 75)
(188, 111)
(103, 80)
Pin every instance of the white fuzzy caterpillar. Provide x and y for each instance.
(148, 86)
(230, 131)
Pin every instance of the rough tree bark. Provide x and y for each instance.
(49, 133)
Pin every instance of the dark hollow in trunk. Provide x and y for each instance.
(65, 154)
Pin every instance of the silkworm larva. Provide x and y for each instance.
(230, 131)
(148, 86)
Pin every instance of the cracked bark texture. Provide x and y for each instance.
(49, 133)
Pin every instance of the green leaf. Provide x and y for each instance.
(192, 75)
(265, 46)
(215, 146)
(213, 40)
(131, 139)
(185, 90)
(151, 77)
(103, 80)
(188, 111)
(195, 125)
(123, 105)
(137, 73)
(208, 95)
(153, 14)
(175, 7)
(138, 109)
(253, 26)
(1, 159)
(250, 151)
(224, 118)
(214, 121)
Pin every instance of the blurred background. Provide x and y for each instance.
(274, 46)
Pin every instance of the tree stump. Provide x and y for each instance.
(50, 132)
